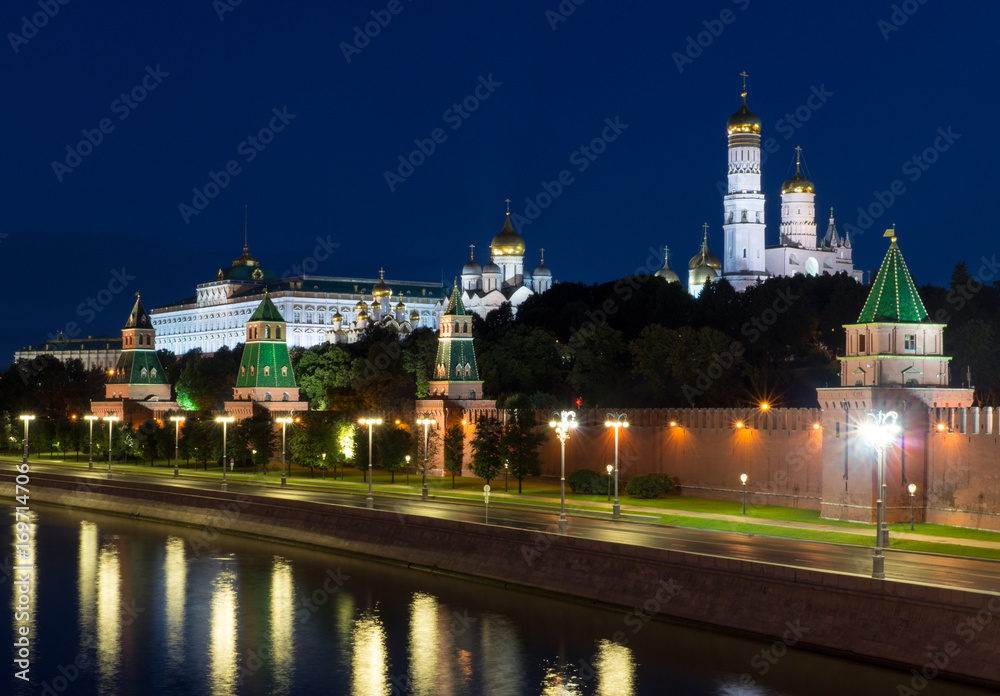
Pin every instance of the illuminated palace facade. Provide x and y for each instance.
(317, 309)
(746, 259)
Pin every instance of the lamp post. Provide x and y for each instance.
(111, 420)
(506, 473)
(90, 421)
(407, 470)
(610, 468)
(616, 421)
(743, 478)
(225, 420)
(27, 419)
(566, 422)
(426, 421)
(912, 488)
(370, 501)
(177, 420)
(284, 422)
(880, 429)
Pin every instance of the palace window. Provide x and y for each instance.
(910, 343)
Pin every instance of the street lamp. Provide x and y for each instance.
(610, 468)
(90, 420)
(913, 489)
(426, 421)
(111, 420)
(284, 422)
(566, 422)
(177, 420)
(616, 421)
(27, 420)
(370, 501)
(880, 429)
(407, 470)
(743, 478)
(225, 420)
(506, 473)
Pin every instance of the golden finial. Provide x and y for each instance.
(831, 212)
(891, 233)
(705, 227)
(798, 158)
(507, 201)
(381, 274)
(666, 255)
(472, 252)
(745, 76)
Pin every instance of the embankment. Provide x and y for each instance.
(936, 631)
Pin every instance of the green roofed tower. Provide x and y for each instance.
(266, 370)
(894, 343)
(456, 375)
(138, 374)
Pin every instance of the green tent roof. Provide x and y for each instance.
(266, 311)
(139, 366)
(893, 297)
(138, 317)
(455, 306)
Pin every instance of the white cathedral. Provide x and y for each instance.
(503, 279)
(746, 258)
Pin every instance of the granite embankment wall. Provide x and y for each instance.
(879, 621)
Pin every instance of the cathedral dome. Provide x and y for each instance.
(338, 317)
(744, 120)
(381, 289)
(704, 274)
(472, 268)
(360, 306)
(508, 242)
(666, 272)
(704, 256)
(400, 306)
(414, 316)
(798, 183)
(491, 268)
(541, 272)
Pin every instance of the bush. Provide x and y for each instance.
(588, 482)
(650, 485)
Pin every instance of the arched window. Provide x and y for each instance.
(465, 326)
(458, 370)
(267, 331)
(277, 332)
(456, 327)
(472, 393)
(911, 382)
(243, 371)
(267, 396)
(284, 370)
(267, 370)
(152, 373)
(142, 373)
(284, 397)
(251, 370)
(440, 370)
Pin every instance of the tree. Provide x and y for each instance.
(321, 369)
(521, 440)
(391, 448)
(454, 450)
(256, 439)
(597, 373)
(488, 449)
(311, 439)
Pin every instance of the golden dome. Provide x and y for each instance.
(400, 306)
(360, 306)
(414, 316)
(508, 242)
(666, 273)
(703, 275)
(338, 317)
(704, 256)
(798, 183)
(744, 120)
(381, 289)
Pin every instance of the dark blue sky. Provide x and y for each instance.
(217, 82)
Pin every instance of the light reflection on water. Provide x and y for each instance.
(240, 616)
(370, 660)
(222, 649)
(109, 618)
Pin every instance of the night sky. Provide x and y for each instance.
(181, 90)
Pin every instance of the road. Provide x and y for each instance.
(907, 566)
